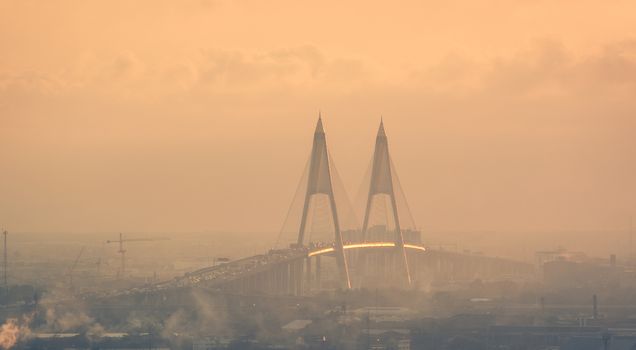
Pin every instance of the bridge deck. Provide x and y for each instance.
(216, 276)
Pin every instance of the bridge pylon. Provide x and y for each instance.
(320, 182)
(382, 183)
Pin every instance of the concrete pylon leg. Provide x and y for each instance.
(319, 182)
(382, 183)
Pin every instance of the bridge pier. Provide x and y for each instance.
(308, 275)
(318, 273)
(293, 278)
(286, 284)
(277, 274)
(413, 266)
(272, 281)
(280, 280)
(297, 277)
(267, 282)
(300, 266)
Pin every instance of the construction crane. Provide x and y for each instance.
(122, 251)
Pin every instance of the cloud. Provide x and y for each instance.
(541, 70)
(304, 67)
(210, 71)
(545, 69)
(614, 65)
(125, 66)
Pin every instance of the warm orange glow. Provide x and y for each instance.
(321, 251)
(369, 245)
(413, 246)
(365, 245)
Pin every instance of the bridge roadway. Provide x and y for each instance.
(215, 276)
(259, 263)
(290, 271)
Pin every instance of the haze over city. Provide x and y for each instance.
(510, 123)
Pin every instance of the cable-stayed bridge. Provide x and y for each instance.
(321, 248)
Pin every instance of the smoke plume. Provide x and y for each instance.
(14, 330)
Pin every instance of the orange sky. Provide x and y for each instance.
(198, 115)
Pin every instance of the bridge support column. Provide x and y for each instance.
(291, 279)
(258, 283)
(413, 266)
(318, 273)
(293, 276)
(286, 279)
(361, 266)
(271, 282)
(308, 275)
(255, 284)
(263, 283)
(241, 287)
(280, 279)
(299, 277)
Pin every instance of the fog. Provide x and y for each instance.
(157, 118)
(510, 125)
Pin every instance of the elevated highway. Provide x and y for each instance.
(303, 270)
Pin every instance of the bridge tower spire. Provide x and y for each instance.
(319, 182)
(382, 183)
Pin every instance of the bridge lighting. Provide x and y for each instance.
(321, 251)
(370, 245)
(365, 245)
(413, 246)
